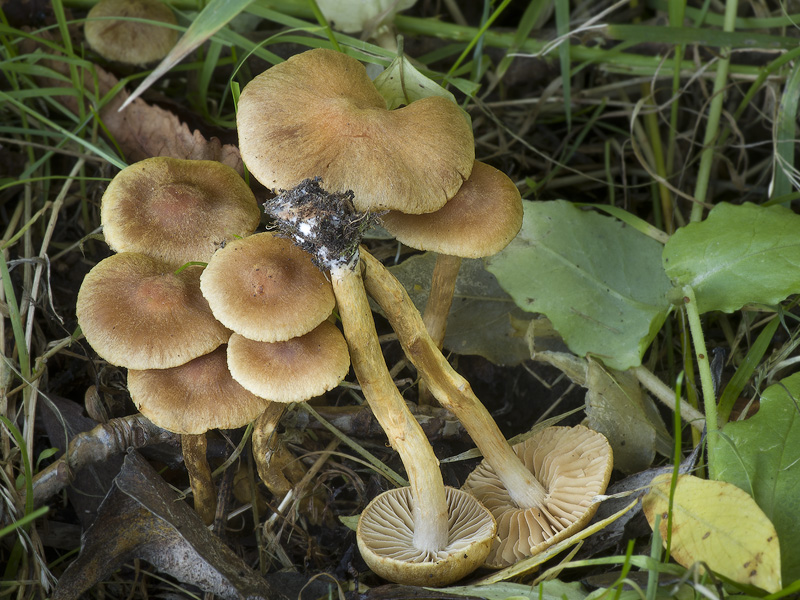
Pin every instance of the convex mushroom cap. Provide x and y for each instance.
(194, 397)
(294, 370)
(385, 539)
(177, 210)
(480, 220)
(266, 288)
(319, 115)
(127, 41)
(573, 464)
(136, 312)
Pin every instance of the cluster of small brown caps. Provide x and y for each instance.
(139, 309)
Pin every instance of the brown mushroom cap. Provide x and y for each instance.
(385, 539)
(194, 397)
(480, 220)
(266, 288)
(127, 41)
(177, 210)
(292, 371)
(137, 313)
(573, 464)
(319, 115)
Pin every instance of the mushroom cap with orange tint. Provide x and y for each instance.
(480, 220)
(136, 312)
(319, 115)
(294, 370)
(194, 397)
(573, 464)
(385, 537)
(266, 288)
(177, 210)
(126, 41)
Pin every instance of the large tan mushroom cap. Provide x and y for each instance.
(319, 115)
(480, 220)
(137, 313)
(195, 397)
(127, 41)
(292, 371)
(385, 534)
(573, 464)
(266, 288)
(177, 210)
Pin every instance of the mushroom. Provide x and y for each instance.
(266, 289)
(536, 507)
(128, 41)
(136, 312)
(294, 370)
(319, 115)
(190, 400)
(425, 516)
(177, 210)
(480, 220)
(573, 465)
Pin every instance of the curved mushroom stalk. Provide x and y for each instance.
(521, 500)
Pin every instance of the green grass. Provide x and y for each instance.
(662, 121)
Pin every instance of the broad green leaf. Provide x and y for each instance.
(761, 455)
(483, 319)
(739, 254)
(599, 281)
(719, 524)
(401, 84)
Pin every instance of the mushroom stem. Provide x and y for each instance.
(404, 432)
(194, 457)
(443, 285)
(440, 298)
(452, 390)
(264, 452)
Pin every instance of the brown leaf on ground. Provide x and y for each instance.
(142, 130)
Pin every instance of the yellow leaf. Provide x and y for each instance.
(719, 524)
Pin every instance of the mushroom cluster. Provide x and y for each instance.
(315, 130)
(143, 308)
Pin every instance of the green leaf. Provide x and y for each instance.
(401, 84)
(739, 254)
(599, 281)
(546, 590)
(483, 319)
(761, 455)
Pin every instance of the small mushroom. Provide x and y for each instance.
(266, 289)
(480, 220)
(125, 40)
(319, 115)
(191, 399)
(137, 312)
(177, 210)
(293, 370)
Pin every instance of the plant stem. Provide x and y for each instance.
(714, 112)
(706, 382)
